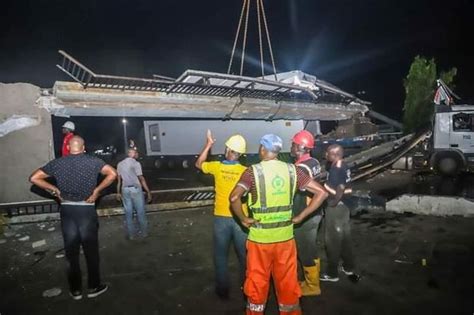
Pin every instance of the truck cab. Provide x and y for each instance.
(453, 139)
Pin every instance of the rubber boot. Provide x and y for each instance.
(310, 285)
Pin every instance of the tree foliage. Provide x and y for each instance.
(420, 87)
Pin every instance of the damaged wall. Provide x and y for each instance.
(25, 146)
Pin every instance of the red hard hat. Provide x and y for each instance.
(304, 138)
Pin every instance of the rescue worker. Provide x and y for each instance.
(307, 231)
(337, 215)
(271, 249)
(68, 132)
(226, 228)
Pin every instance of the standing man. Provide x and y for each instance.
(68, 132)
(271, 249)
(226, 229)
(130, 186)
(338, 230)
(76, 176)
(307, 231)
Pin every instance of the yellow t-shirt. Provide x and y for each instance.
(226, 175)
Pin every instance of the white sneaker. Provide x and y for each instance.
(348, 273)
(326, 277)
(97, 291)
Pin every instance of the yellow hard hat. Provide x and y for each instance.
(237, 143)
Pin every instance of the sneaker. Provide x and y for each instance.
(76, 295)
(326, 277)
(348, 273)
(97, 291)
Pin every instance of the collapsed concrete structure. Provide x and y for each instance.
(27, 140)
(25, 146)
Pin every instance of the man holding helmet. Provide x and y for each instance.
(226, 229)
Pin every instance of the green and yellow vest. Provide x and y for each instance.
(275, 183)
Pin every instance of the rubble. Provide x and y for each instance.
(432, 205)
(52, 292)
(8, 234)
(38, 243)
(24, 238)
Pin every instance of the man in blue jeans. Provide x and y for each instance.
(226, 229)
(130, 186)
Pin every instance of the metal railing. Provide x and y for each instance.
(241, 86)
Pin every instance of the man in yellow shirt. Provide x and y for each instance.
(226, 229)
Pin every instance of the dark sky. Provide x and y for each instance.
(358, 45)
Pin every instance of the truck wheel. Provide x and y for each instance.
(448, 165)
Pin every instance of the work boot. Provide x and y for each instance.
(310, 285)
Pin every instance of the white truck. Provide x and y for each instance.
(452, 145)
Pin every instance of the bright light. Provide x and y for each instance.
(124, 121)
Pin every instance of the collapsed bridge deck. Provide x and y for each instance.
(199, 94)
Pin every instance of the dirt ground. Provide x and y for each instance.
(171, 272)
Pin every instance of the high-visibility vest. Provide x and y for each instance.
(275, 184)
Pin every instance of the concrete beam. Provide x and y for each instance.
(71, 99)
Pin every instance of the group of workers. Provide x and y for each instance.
(270, 211)
(280, 219)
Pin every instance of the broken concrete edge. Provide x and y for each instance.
(432, 205)
(107, 212)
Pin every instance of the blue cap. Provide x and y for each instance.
(271, 143)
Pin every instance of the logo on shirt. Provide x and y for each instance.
(278, 184)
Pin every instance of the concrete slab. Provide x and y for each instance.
(431, 205)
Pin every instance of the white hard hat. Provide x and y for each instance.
(69, 125)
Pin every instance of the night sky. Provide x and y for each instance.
(357, 45)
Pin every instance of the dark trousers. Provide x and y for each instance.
(305, 236)
(80, 227)
(338, 239)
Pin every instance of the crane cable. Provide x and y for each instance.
(244, 43)
(269, 40)
(236, 36)
(260, 16)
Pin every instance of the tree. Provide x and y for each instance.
(420, 87)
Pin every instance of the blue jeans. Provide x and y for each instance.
(226, 229)
(133, 198)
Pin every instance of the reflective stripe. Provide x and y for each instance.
(272, 225)
(289, 307)
(333, 192)
(292, 172)
(261, 185)
(329, 189)
(272, 209)
(308, 169)
(256, 307)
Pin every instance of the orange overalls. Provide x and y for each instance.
(271, 249)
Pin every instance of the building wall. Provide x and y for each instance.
(22, 151)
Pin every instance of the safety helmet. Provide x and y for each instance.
(271, 142)
(69, 125)
(237, 143)
(304, 138)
